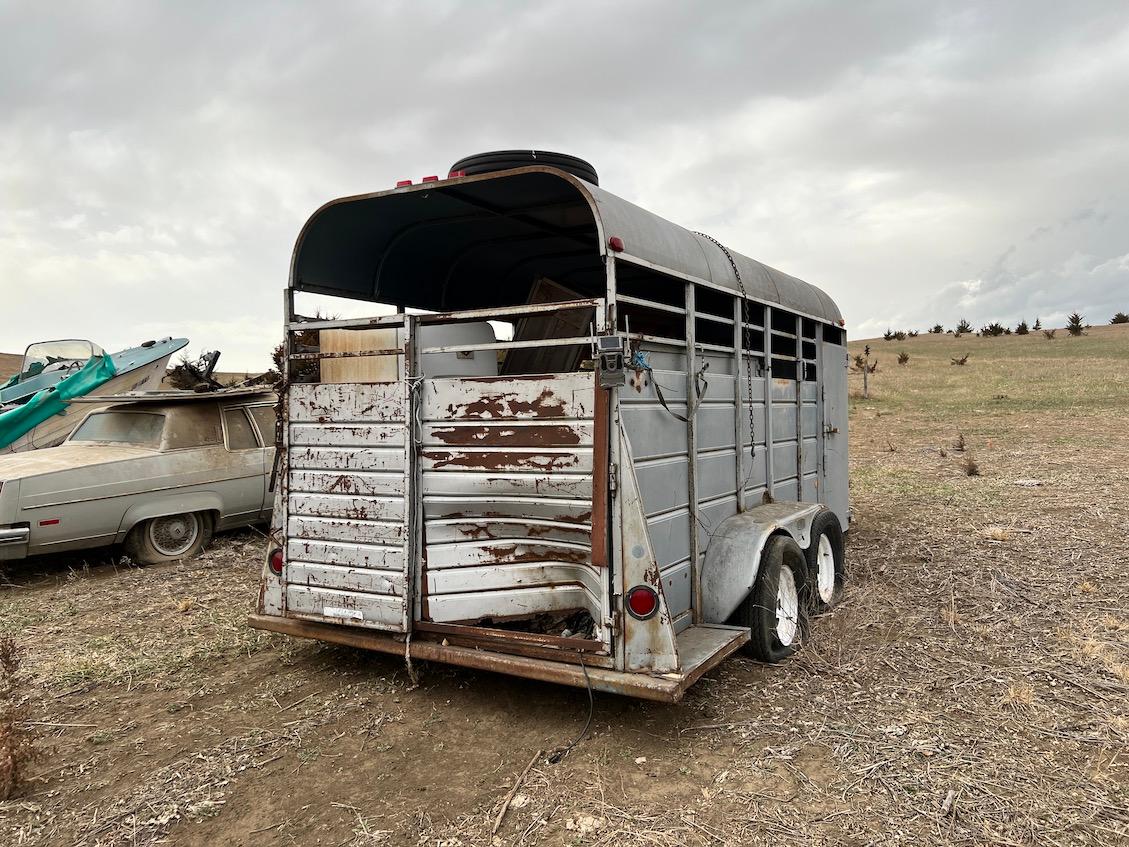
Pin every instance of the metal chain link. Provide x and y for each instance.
(744, 338)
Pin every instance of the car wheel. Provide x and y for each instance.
(169, 537)
(825, 556)
(774, 611)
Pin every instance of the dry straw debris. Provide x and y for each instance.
(973, 688)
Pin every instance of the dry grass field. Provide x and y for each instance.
(973, 687)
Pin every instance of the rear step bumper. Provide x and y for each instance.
(700, 649)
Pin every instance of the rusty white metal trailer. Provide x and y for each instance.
(649, 475)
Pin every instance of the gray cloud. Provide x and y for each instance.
(921, 162)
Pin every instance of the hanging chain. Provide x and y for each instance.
(745, 338)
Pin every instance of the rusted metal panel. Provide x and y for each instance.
(505, 550)
(507, 470)
(509, 398)
(508, 459)
(490, 527)
(666, 688)
(348, 506)
(505, 577)
(552, 503)
(383, 611)
(350, 482)
(346, 435)
(347, 459)
(346, 402)
(340, 577)
(536, 644)
(600, 460)
(508, 602)
(509, 434)
(332, 529)
(376, 556)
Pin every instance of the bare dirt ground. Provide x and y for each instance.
(973, 687)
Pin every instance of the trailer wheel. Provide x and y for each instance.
(774, 610)
(825, 556)
(169, 537)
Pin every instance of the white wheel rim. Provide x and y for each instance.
(787, 607)
(825, 569)
(174, 535)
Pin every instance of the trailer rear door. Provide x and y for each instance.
(347, 515)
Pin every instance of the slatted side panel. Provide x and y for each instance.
(717, 452)
(754, 463)
(659, 450)
(785, 468)
(811, 447)
(506, 468)
(347, 509)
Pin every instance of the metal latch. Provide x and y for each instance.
(613, 476)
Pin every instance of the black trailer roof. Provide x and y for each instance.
(480, 241)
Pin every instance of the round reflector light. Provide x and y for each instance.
(276, 562)
(642, 602)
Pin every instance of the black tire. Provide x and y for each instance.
(824, 594)
(771, 641)
(169, 537)
(504, 160)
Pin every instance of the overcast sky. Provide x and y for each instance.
(920, 162)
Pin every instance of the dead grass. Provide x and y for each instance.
(973, 687)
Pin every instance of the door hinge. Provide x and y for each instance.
(613, 476)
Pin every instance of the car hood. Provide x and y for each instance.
(65, 457)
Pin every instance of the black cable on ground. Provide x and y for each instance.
(558, 756)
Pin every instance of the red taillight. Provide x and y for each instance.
(275, 562)
(456, 174)
(642, 602)
(430, 179)
(616, 243)
(400, 183)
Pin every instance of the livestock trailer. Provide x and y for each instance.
(589, 447)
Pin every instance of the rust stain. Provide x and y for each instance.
(508, 405)
(582, 518)
(519, 436)
(342, 483)
(497, 461)
(509, 553)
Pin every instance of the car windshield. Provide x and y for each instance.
(141, 429)
(45, 354)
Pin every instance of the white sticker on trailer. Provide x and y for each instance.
(350, 614)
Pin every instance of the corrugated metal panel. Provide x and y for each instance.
(347, 509)
(507, 496)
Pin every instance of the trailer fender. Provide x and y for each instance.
(733, 556)
(173, 503)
